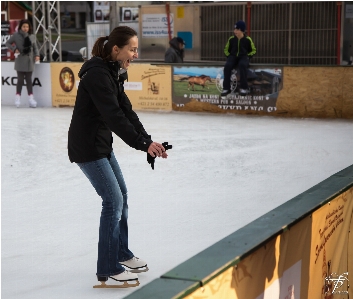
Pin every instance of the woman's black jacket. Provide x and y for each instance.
(102, 107)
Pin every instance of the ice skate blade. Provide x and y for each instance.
(103, 285)
(138, 270)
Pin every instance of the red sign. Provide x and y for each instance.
(8, 28)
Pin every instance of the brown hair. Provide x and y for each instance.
(25, 21)
(120, 37)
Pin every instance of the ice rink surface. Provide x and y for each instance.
(223, 172)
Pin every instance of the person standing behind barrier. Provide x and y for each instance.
(175, 53)
(239, 49)
(102, 107)
(23, 44)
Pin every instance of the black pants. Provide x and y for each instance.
(242, 64)
(20, 81)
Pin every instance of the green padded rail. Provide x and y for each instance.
(226, 253)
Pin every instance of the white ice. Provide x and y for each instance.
(223, 172)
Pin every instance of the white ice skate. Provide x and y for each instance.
(32, 102)
(124, 277)
(18, 100)
(135, 265)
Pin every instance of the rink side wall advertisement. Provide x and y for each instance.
(312, 259)
(331, 235)
(148, 87)
(65, 83)
(41, 81)
(301, 249)
(288, 91)
(198, 87)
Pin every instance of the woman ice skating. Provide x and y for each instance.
(23, 44)
(101, 108)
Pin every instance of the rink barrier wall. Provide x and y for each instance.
(303, 91)
(41, 80)
(307, 239)
(295, 91)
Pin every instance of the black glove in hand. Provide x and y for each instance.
(166, 146)
(151, 159)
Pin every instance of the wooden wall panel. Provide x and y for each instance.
(347, 93)
(316, 92)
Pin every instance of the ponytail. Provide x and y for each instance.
(120, 37)
(102, 48)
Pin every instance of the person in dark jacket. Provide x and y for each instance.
(102, 107)
(239, 49)
(175, 53)
(23, 44)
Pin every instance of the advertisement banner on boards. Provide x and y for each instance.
(65, 82)
(149, 87)
(205, 84)
(276, 270)
(329, 275)
(41, 81)
(311, 259)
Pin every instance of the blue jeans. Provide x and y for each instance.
(106, 177)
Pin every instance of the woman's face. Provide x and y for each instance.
(25, 27)
(126, 54)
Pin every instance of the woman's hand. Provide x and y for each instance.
(157, 150)
(37, 58)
